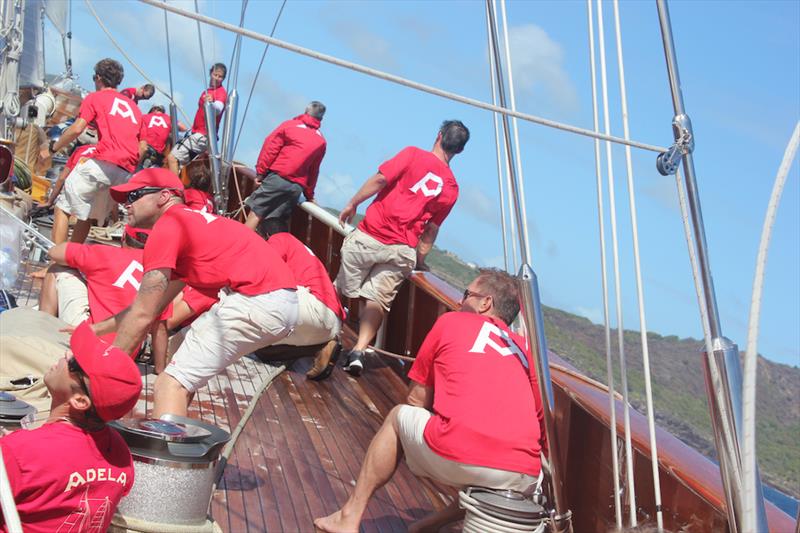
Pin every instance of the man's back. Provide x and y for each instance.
(420, 188)
(155, 130)
(62, 474)
(485, 398)
(118, 121)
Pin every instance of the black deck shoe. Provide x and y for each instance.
(354, 364)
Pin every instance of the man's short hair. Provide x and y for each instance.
(454, 136)
(148, 88)
(219, 66)
(504, 290)
(157, 109)
(110, 72)
(316, 110)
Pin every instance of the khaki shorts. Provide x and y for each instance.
(316, 322)
(233, 327)
(73, 297)
(373, 270)
(424, 462)
(195, 143)
(86, 189)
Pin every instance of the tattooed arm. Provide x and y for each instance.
(154, 294)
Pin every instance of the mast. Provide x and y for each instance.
(723, 373)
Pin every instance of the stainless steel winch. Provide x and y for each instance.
(174, 459)
(14, 413)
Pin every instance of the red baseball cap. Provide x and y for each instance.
(114, 379)
(149, 177)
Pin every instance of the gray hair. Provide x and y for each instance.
(316, 110)
(503, 289)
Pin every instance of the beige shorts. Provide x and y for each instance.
(73, 297)
(233, 327)
(316, 322)
(373, 270)
(86, 189)
(424, 462)
(195, 143)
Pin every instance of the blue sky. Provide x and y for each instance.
(740, 72)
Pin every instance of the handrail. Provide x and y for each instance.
(327, 218)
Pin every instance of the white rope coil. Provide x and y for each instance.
(477, 520)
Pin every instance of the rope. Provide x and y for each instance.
(238, 192)
(255, 79)
(517, 152)
(749, 458)
(131, 61)
(648, 388)
(397, 79)
(612, 405)
(12, 51)
(501, 193)
(631, 488)
(392, 355)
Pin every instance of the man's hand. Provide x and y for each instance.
(421, 265)
(347, 214)
(44, 153)
(208, 98)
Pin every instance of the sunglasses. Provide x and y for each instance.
(75, 368)
(468, 293)
(138, 193)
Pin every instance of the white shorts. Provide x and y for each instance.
(373, 270)
(424, 462)
(73, 297)
(195, 142)
(316, 322)
(233, 327)
(85, 192)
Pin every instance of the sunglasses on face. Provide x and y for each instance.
(138, 193)
(75, 368)
(468, 293)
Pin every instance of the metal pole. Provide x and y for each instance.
(213, 154)
(722, 367)
(173, 116)
(229, 128)
(534, 325)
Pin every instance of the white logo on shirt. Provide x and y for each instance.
(485, 339)
(88, 151)
(157, 122)
(422, 185)
(123, 109)
(95, 474)
(207, 216)
(128, 277)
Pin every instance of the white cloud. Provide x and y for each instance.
(478, 204)
(538, 67)
(594, 314)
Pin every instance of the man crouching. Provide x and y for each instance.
(468, 418)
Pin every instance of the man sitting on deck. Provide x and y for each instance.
(75, 467)
(257, 308)
(469, 413)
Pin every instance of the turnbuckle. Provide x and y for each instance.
(668, 162)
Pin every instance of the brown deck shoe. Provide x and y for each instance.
(325, 361)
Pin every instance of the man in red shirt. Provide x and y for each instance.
(473, 416)
(416, 191)
(320, 313)
(197, 142)
(145, 92)
(257, 307)
(287, 166)
(118, 121)
(153, 136)
(74, 468)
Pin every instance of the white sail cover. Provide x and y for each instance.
(31, 69)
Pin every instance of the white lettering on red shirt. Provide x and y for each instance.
(484, 340)
(128, 277)
(157, 121)
(422, 185)
(123, 109)
(95, 474)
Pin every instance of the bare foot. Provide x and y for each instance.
(336, 523)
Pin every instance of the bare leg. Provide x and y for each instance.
(60, 226)
(80, 231)
(48, 297)
(379, 466)
(172, 164)
(252, 221)
(170, 397)
(436, 521)
(369, 322)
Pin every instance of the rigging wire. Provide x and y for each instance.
(517, 151)
(169, 56)
(499, 153)
(206, 80)
(651, 424)
(749, 458)
(631, 488)
(233, 81)
(255, 79)
(612, 407)
(399, 80)
(131, 61)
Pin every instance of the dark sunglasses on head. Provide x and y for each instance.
(75, 368)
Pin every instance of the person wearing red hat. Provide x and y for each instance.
(94, 383)
(215, 255)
